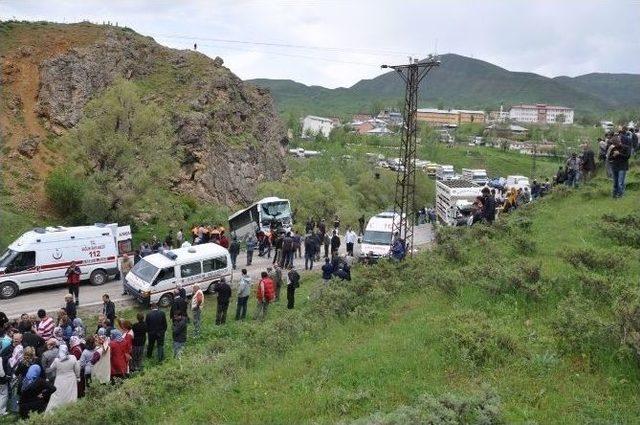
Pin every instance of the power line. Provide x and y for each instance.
(293, 55)
(367, 51)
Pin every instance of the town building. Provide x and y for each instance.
(451, 117)
(312, 126)
(541, 113)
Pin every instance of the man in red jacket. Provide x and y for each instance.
(73, 281)
(265, 293)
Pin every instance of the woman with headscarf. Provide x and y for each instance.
(119, 360)
(101, 361)
(127, 334)
(78, 328)
(76, 346)
(87, 359)
(67, 370)
(36, 392)
(58, 334)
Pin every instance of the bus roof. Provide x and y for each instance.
(187, 254)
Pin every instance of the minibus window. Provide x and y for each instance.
(190, 269)
(208, 266)
(165, 274)
(220, 263)
(22, 261)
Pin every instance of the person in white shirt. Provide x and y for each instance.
(350, 237)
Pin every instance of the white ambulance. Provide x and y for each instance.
(154, 277)
(378, 236)
(41, 257)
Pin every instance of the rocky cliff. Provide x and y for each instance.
(228, 130)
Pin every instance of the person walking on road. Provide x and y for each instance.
(350, 238)
(287, 251)
(179, 333)
(73, 281)
(109, 309)
(223, 290)
(327, 244)
(309, 251)
(156, 322)
(251, 246)
(234, 250)
(197, 301)
(293, 284)
(265, 294)
(244, 289)
(125, 267)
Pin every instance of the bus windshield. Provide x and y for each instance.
(7, 257)
(276, 210)
(145, 270)
(375, 237)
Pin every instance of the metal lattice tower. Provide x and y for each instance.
(404, 205)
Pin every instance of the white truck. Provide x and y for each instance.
(445, 172)
(454, 199)
(153, 279)
(378, 236)
(476, 175)
(517, 182)
(41, 257)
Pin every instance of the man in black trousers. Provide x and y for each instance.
(156, 322)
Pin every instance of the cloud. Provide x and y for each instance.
(548, 37)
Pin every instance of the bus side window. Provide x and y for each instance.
(165, 274)
(191, 269)
(208, 266)
(220, 263)
(23, 261)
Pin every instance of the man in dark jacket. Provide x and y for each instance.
(70, 306)
(223, 290)
(251, 246)
(30, 338)
(335, 243)
(488, 205)
(309, 251)
(294, 283)
(309, 226)
(179, 333)
(619, 161)
(109, 309)
(287, 251)
(327, 270)
(234, 250)
(179, 304)
(156, 322)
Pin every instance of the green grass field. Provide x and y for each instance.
(526, 316)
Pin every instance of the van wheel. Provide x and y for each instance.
(8, 290)
(98, 277)
(165, 300)
(211, 287)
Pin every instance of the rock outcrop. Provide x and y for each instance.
(229, 130)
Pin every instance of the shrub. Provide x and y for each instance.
(65, 191)
(448, 409)
(622, 230)
(579, 328)
(476, 340)
(523, 244)
(594, 259)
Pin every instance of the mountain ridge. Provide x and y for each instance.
(467, 82)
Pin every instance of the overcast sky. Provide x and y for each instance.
(340, 42)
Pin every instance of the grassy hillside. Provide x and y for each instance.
(462, 82)
(532, 320)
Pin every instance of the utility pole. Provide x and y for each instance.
(404, 205)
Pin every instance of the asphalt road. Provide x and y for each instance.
(52, 298)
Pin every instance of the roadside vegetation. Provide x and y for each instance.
(535, 319)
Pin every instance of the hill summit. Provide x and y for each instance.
(60, 82)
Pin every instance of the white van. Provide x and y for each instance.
(476, 175)
(153, 278)
(445, 172)
(378, 236)
(41, 257)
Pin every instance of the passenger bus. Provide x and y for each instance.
(264, 215)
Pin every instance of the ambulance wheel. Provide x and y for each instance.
(98, 277)
(165, 300)
(8, 290)
(211, 288)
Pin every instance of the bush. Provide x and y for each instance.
(449, 409)
(65, 191)
(476, 340)
(579, 328)
(622, 230)
(595, 259)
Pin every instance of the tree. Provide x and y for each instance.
(125, 146)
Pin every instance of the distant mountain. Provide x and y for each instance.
(463, 82)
